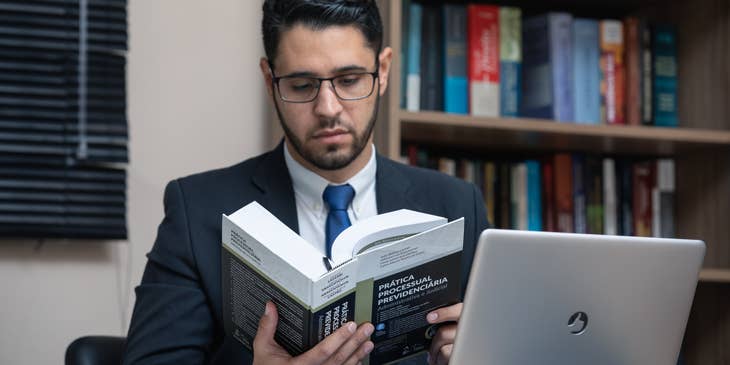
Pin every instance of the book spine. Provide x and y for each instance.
(593, 181)
(413, 87)
(563, 168)
(587, 71)
(663, 199)
(610, 213)
(579, 195)
(625, 172)
(612, 72)
(447, 165)
(642, 206)
(432, 68)
(632, 42)
(561, 48)
(665, 77)
(456, 98)
(534, 196)
(505, 198)
(490, 186)
(405, 35)
(519, 196)
(537, 79)
(548, 196)
(483, 60)
(647, 75)
(510, 60)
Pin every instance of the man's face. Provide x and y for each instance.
(328, 133)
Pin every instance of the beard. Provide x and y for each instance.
(335, 156)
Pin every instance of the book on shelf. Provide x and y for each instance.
(405, 25)
(643, 181)
(432, 62)
(518, 196)
(510, 60)
(564, 204)
(534, 196)
(612, 72)
(647, 74)
(390, 270)
(586, 71)
(593, 180)
(413, 53)
(580, 192)
(610, 196)
(664, 43)
(632, 57)
(663, 199)
(547, 87)
(483, 59)
(456, 85)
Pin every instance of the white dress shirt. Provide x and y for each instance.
(311, 209)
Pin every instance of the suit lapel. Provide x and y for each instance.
(393, 188)
(272, 178)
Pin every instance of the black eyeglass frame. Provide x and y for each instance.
(375, 74)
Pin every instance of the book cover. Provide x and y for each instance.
(612, 72)
(665, 76)
(432, 62)
(483, 59)
(413, 68)
(563, 168)
(534, 196)
(587, 71)
(390, 270)
(456, 85)
(510, 60)
(632, 43)
(547, 88)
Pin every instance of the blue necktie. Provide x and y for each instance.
(337, 198)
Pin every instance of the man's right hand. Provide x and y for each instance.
(348, 345)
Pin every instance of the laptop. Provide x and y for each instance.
(560, 298)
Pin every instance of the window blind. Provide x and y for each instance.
(63, 122)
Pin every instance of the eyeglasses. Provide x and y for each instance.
(299, 89)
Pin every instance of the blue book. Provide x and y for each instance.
(547, 89)
(534, 196)
(510, 60)
(586, 71)
(413, 70)
(665, 76)
(456, 86)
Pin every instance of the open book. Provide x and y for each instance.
(390, 270)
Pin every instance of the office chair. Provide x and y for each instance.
(96, 350)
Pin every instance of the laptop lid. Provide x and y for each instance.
(560, 298)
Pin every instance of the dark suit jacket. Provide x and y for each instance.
(177, 317)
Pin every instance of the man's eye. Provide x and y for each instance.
(348, 80)
(301, 86)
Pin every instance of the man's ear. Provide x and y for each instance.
(385, 59)
(268, 76)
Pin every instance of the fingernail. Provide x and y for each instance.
(351, 326)
(267, 311)
(432, 316)
(368, 347)
(369, 330)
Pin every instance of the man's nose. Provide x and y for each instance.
(327, 104)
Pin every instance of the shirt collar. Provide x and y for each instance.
(309, 186)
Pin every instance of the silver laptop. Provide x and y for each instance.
(557, 298)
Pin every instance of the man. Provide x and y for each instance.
(325, 72)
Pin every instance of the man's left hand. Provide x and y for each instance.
(443, 342)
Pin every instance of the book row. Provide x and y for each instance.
(566, 192)
(487, 60)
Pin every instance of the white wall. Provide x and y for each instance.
(196, 102)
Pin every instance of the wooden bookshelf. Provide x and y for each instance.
(700, 147)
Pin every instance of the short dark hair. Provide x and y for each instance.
(282, 15)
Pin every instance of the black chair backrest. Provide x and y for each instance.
(96, 350)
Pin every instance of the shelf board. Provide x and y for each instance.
(439, 128)
(715, 276)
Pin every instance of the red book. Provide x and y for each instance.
(483, 59)
(643, 183)
(612, 73)
(563, 168)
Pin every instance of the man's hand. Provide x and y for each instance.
(348, 345)
(443, 342)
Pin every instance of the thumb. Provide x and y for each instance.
(267, 327)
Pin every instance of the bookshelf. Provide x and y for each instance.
(700, 146)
